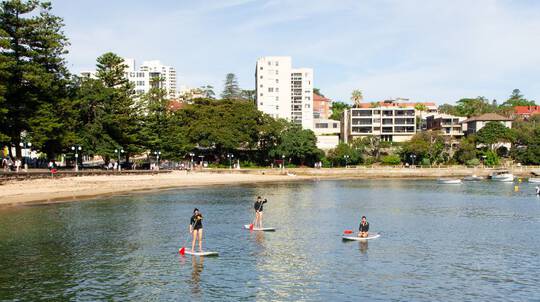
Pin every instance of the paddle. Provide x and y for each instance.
(182, 250)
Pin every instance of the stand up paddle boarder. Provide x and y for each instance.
(363, 229)
(196, 229)
(258, 206)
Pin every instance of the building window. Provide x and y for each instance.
(277, 98)
(261, 77)
(261, 85)
(277, 80)
(269, 63)
(261, 94)
(270, 89)
(277, 89)
(261, 68)
(261, 103)
(335, 125)
(277, 63)
(277, 71)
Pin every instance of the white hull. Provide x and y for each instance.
(449, 181)
(534, 180)
(356, 238)
(203, 253)
(246, 226)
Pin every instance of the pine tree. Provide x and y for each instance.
(231, 91)
(35, 75)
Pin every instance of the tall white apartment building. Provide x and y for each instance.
(141, 78)
(283, 91)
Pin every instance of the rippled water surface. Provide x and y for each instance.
(476, 241)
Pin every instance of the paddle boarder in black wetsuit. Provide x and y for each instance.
(258, 206)
(537, 190)
(196, 229)
(363, 229)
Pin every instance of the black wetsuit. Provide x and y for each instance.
(258, 206)
(196, 221)
(364, 227)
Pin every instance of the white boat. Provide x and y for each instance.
(503, 176)
(449, 181)
(472, 178)
(535, 180)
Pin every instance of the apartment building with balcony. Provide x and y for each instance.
(392, 124)
(283, 91)
(449, 125)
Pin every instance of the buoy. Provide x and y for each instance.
(516, 188)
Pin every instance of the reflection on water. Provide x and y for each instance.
(471, 242)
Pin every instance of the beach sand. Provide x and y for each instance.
(48, 190)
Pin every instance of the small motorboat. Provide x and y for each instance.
(449, 181)
(502, 176)
(535, 180)
(472, 178)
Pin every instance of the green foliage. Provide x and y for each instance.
(493, 133)
(370, 146)
(248, 95)
(231, 91)
(298, 145)
(473, 162)
(318, 91)
(33, 74)
(392, 159)
(337, 110)
(467, 150)
(429, 144)
(526, 147)
(491, 158)
(473, 107)
(357, 97)
(425, 162)
(517, 99)
(344, 154)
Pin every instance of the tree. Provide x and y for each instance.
(34, 74)
(473, 106)
(357, 97)
(337, 110)
(248, 95)
(208, 91)
(231, 91)
(338, 155)
(493, 133)
(466, 150)
(122, 118)
(517, 99)
(4, 75)
(370, 145)
(428, 145)
(298, 145)
(526, 145)
(421, 108)
(448, 109)
(318, 91)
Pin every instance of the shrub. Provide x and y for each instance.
(391, 160)
(425, 162)
(473, 162)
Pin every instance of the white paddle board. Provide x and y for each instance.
(246, 226)
(356, 238)
(203, 253)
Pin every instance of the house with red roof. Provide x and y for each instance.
(526, 111)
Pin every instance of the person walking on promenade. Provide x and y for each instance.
(17, 165)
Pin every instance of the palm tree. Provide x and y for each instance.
(422, 108)
(357, 97)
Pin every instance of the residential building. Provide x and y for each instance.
(392, 123)
(322, 106)
(327, 132)
(448, 124)
(475, 123)
(141, 78)
(283, 91)
(526, 111)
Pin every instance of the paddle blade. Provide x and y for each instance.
(182, 251)
(347, 232)
(251, 227)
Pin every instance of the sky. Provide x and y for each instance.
(437, 50)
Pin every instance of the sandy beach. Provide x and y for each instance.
(77, 188)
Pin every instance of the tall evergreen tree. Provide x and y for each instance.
(36, 77)
(231, 91)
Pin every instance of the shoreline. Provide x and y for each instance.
(78, 188)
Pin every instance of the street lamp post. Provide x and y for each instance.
(118, 152)
(202, 158)
(230, 157)
(346, 160)
(76, 148)
(283, 163)
(413, 157)
(157, 153)
(191, 165)
(25, 146)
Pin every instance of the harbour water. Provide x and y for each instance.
(469, 242)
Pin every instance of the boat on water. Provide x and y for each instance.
(472, 178)
(502, 176)
(535, 180)
(449, 181)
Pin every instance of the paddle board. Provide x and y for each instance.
(204, 253)
(356, 238)
(246, 226)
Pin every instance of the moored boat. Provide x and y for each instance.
(449, 181)
(472, 178)
(535, 180)
(503, 176)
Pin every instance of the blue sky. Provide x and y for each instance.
(432, 50)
